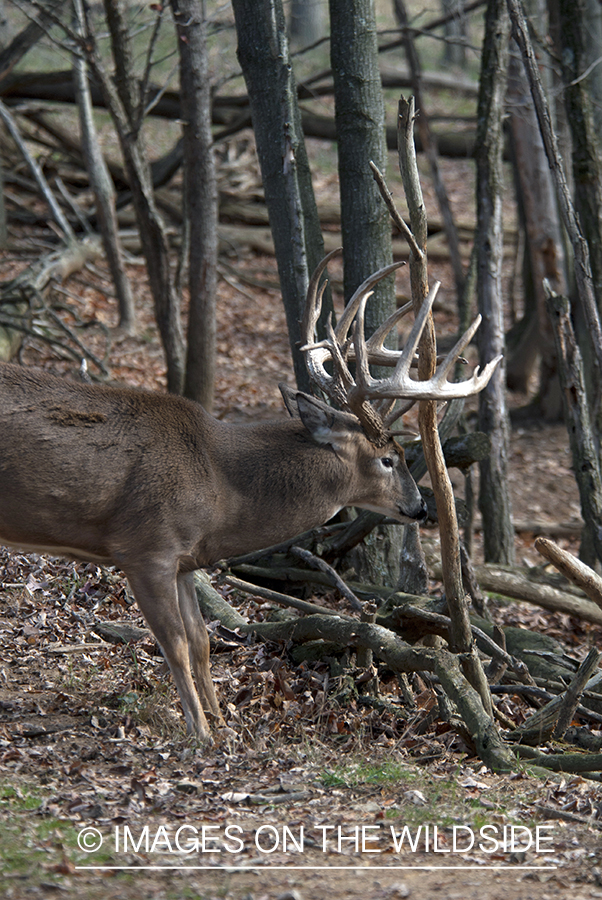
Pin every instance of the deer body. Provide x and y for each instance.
(153, 484)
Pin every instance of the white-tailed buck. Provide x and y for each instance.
(153, 484)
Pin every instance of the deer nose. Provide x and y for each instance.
(424, 513)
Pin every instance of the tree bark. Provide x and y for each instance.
(124, 104)
(264, 58)
(586, 459)
(494, 497)
(587, 168)
(544, 247)
(200, 197)
(102, 185)
(365, 224)
(360, 128)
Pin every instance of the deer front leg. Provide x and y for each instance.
(198, 644)
(157, 597)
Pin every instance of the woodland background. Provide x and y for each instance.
(88, 725)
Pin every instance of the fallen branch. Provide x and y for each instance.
(213, 606)
(401, 657)
(518, 585)
(20, 295)
(554, 718)
(334, 579)
(574, 692)
(283, 599)
(487, 645)
(572, 568)
(568, 762)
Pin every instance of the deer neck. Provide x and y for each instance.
(275, 482)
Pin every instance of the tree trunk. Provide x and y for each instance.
(494, 498)
(429, 147)
(200, 197)
(365, 223)
(592, 45)
(3, 232)
(264, 58)
(124, 104)
(543, 237)
(455, 30)
(584, 298)
(586, 168)
(102, 186)
(360, 127)
(307, 21)
(584, 449)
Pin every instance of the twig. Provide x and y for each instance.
(393, 212)
(310, 609)
(317, 563)
(37, 173)
(85, 350)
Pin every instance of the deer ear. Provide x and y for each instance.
(289, 395)
(325, 424)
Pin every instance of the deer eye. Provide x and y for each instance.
(387, 462)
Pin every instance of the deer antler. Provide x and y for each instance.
(355, 393)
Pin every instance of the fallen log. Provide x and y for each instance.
(518, 584)
(572, 568)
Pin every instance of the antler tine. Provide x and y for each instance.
(316, 354)
(362, 369)
(402, 369)
(341, 384)
(352, 306)
(401, 386)
(393, 413)
(313, 303)
(376, 340)
(446, 366)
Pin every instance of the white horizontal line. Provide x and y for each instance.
(259, 868)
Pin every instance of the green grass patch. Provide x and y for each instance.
(382, 773)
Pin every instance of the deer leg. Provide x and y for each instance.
(157, 597)
(198, 644)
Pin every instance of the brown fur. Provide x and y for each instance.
(153, 484)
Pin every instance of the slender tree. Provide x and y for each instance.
(494, 497)
(264, 57)
(360, 127)
(199, 197)
(101, 183)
